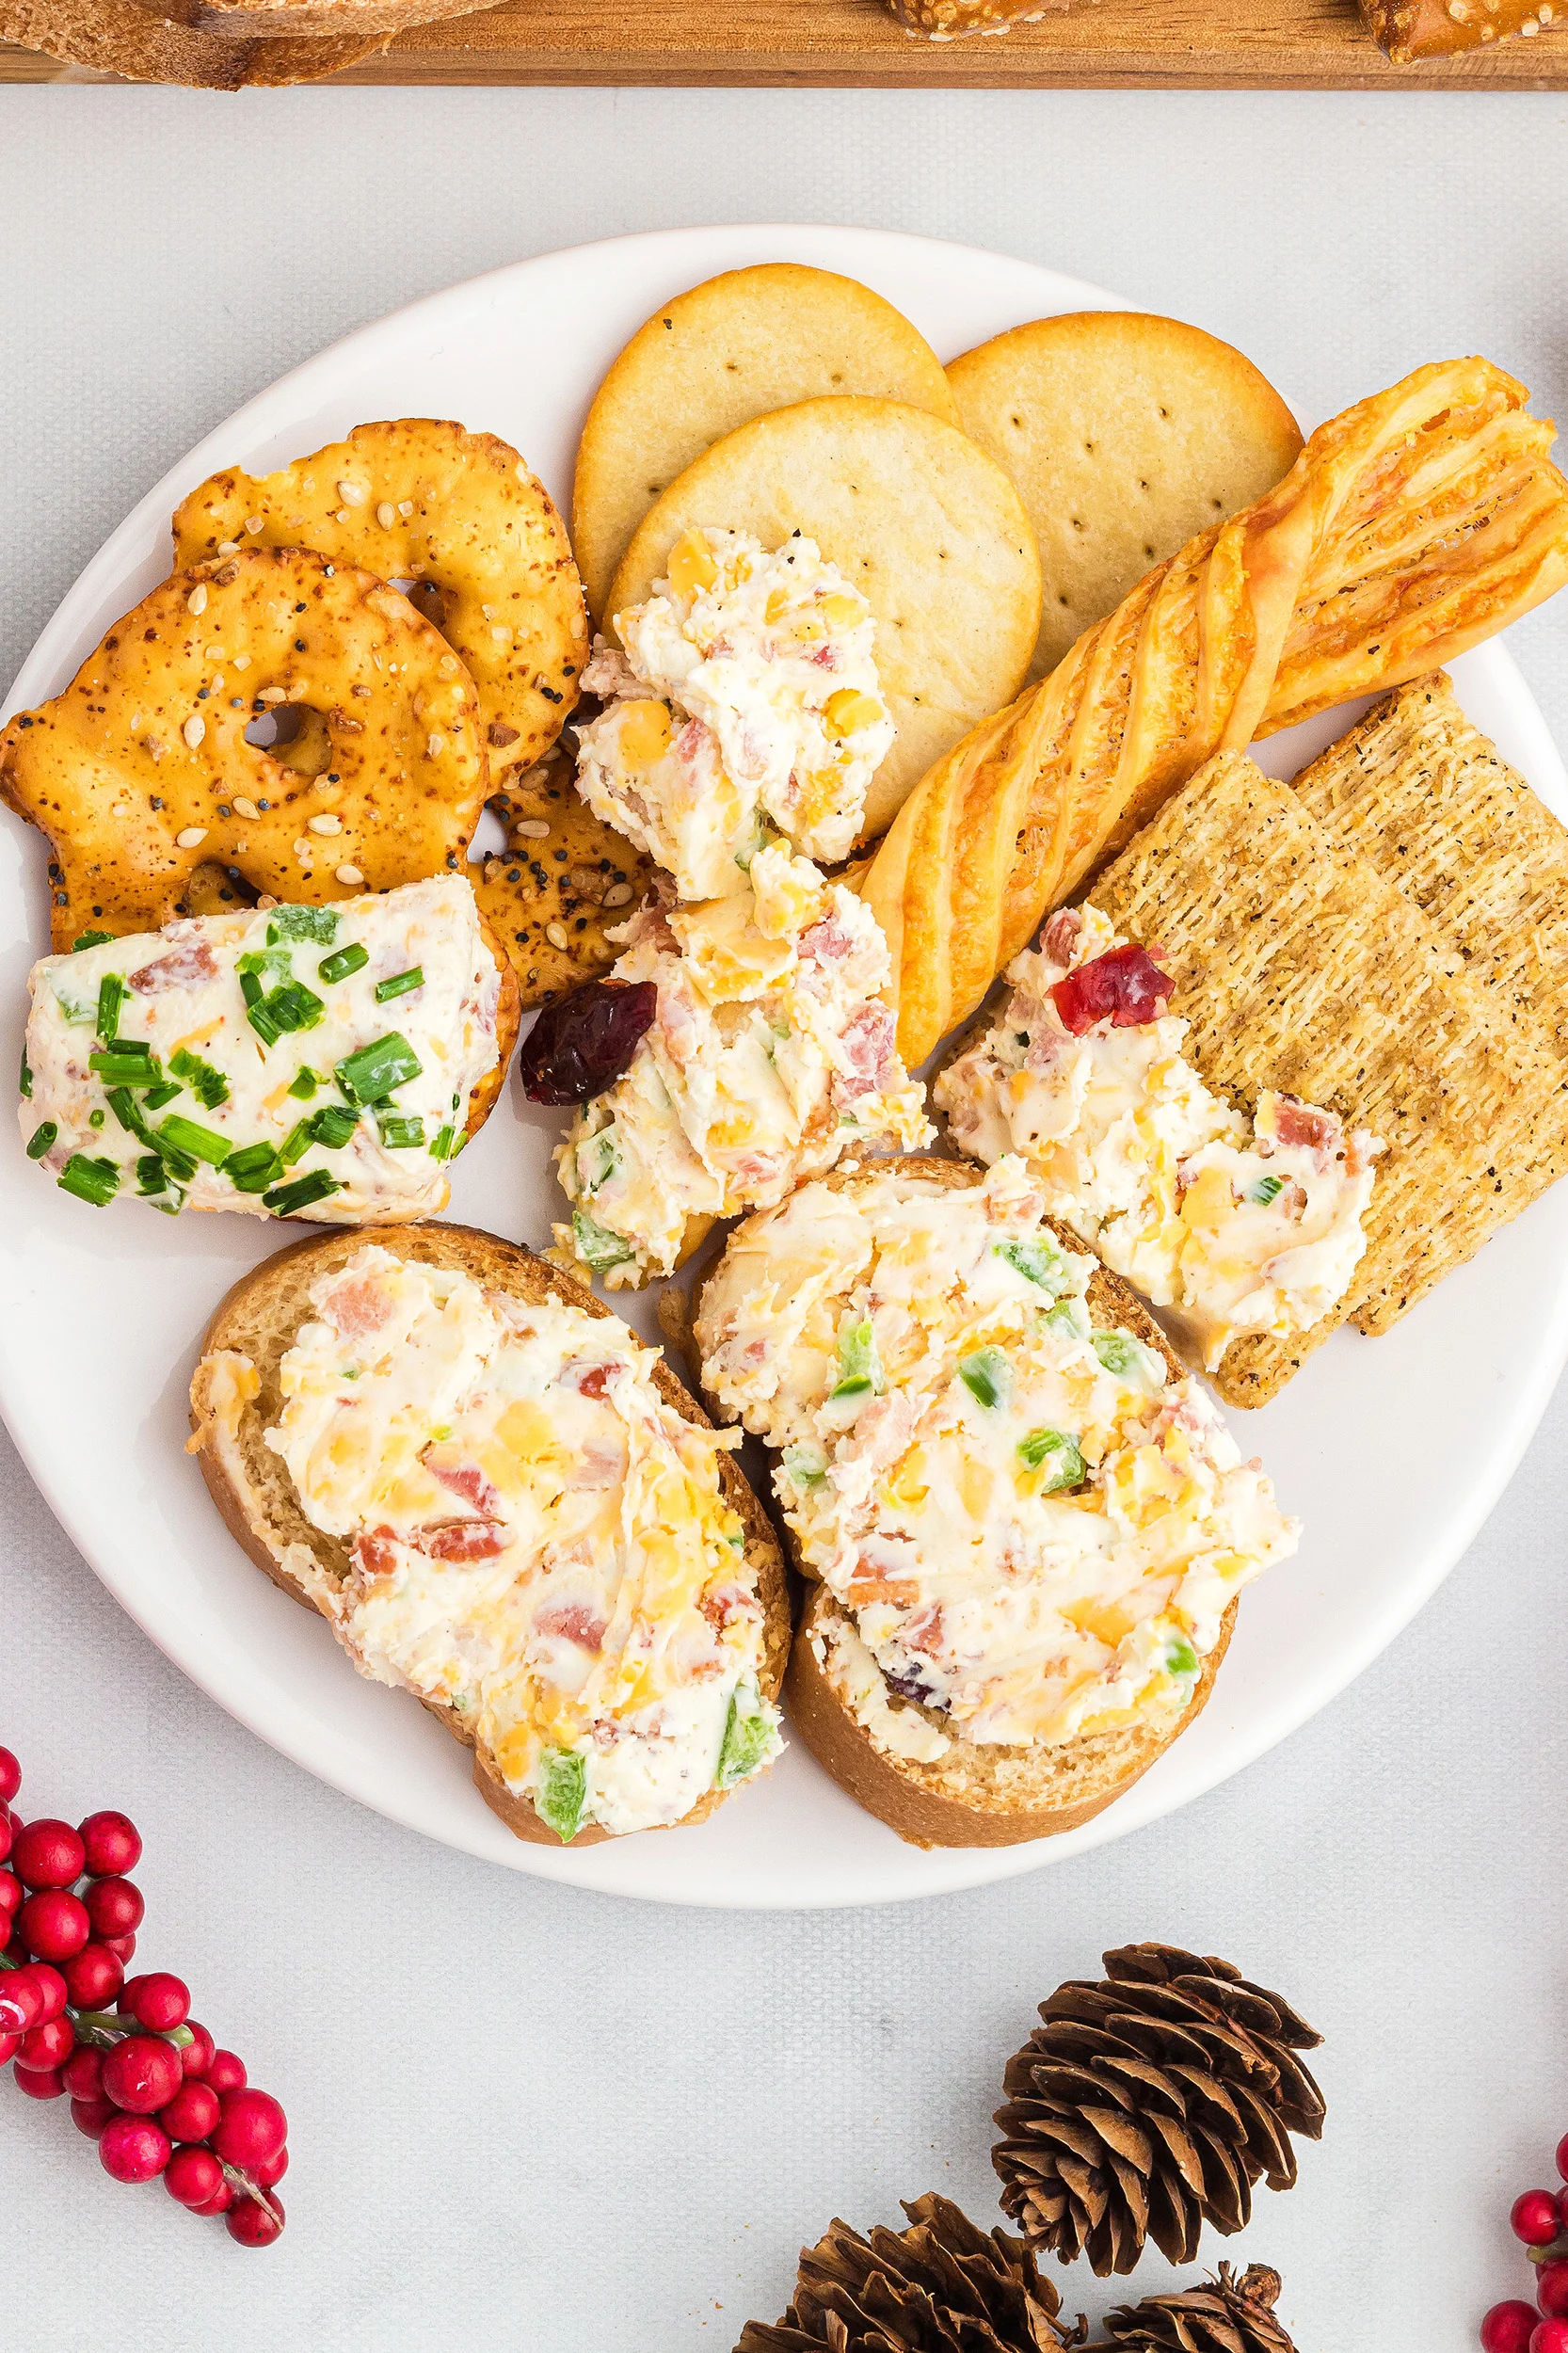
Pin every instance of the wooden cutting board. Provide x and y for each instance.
(1196, 44)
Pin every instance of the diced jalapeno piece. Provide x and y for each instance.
(319, 923)
(987, 1376)
(1127, 1358)
(1069, 1319)
(264, 964)
(1264, 1190)
(375, 1069)
(345, 961)
(1038, 1261)
(76, 1015)
(400, 985)
(562, 1797)
(596, 1246)
(597, 1159)
(41, 1138)
(1056, 1452)
(97, 1181)
(197, 1143)
(332, 1126)
(208, 1085)
(1181, 1660)
(804, 1466)
(748, 1736)
(859, 1365)
(253, 1167)
(285, 1200)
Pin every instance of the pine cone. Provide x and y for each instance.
(1223, 2316)
(942, 2287)
(1150, 2104)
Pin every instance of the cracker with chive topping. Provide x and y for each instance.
(1299, 967)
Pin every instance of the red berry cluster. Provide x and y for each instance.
(1539, 2217)
(144, 2080)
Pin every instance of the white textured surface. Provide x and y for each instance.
(524, 2118)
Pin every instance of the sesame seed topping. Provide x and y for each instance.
(557, 936)
(348, 876)
(386, 513)
(228, 547)
(449, 665)
(324, 821)
(194, 730)
(272, 694)
(242, 662)
(353, 493)
(533, 828)
(618, 894)
(190, 837)
(435, 745)
(244, 807)
(253, 524)
(197, 601)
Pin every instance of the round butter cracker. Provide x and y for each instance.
(1127, 436)
(926, 525)
(727, 351)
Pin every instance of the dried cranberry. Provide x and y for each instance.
(1125, 985)
(579, 1047)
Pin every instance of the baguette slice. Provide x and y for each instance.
(994, 1795)
(252, 1489)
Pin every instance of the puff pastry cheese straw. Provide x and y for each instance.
(1413, 526)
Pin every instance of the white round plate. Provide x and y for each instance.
(1392, 1451)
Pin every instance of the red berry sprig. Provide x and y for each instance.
(144, 2079)
(1539, 2219)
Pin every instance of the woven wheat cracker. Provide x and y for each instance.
(1435, 808)
(922, 522)
(717, 356)
(1127, 436)
(1299, 968)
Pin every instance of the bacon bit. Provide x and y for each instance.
(1361, 1149)
(868, 1040)
(590, 1380)
(357, 1309)
(826, 656)
(375, 1554)
(1062, 934)
(191, 962)
(868, 1585)
(596, 1469)
(923, 1632)
(573, 1620)
(1301, 1125)
(460, 1539)
(466, 1479)
(826, 942)
(1125, 985)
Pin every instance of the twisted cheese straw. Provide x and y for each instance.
(1411, 527)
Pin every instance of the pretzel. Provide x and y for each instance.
(1405, 30)
(1414, 525)
(141, 771)
(459, 519)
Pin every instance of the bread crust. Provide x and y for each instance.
(900, 1791)
(248, 1312)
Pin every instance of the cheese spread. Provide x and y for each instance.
(769, 1056)
(536, 1540)
(1234, 1225)
(291, 1060)
(1033, 1531)
(744, 706)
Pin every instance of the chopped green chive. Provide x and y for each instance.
(320, 923)
(332, 1126)
(375, 1069)
(151, 1175)
(73, 1012)
(1264, 1190)
(41, 1138)
(196, 1142)
(400, 1132)
(337, 968)
(89, 939)
(96, 1118)
(305, 1083)
(111, 996)
(440, 1145)
(1039, 1262)
(1057, 1448)
(596, 1246)
(208, 1085)
(265, 963)
(285, 1199)
(128, 1112)
(295, 1007)
(97, 1181)
(747, 1737)
(157, 1097)
(597, 1159)
(987, 1376)
(125, 1064)
(25, 1078)
(295, 1143)
(400, 983)
(562, 1798)
(253, 1167)
(859, 1365)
